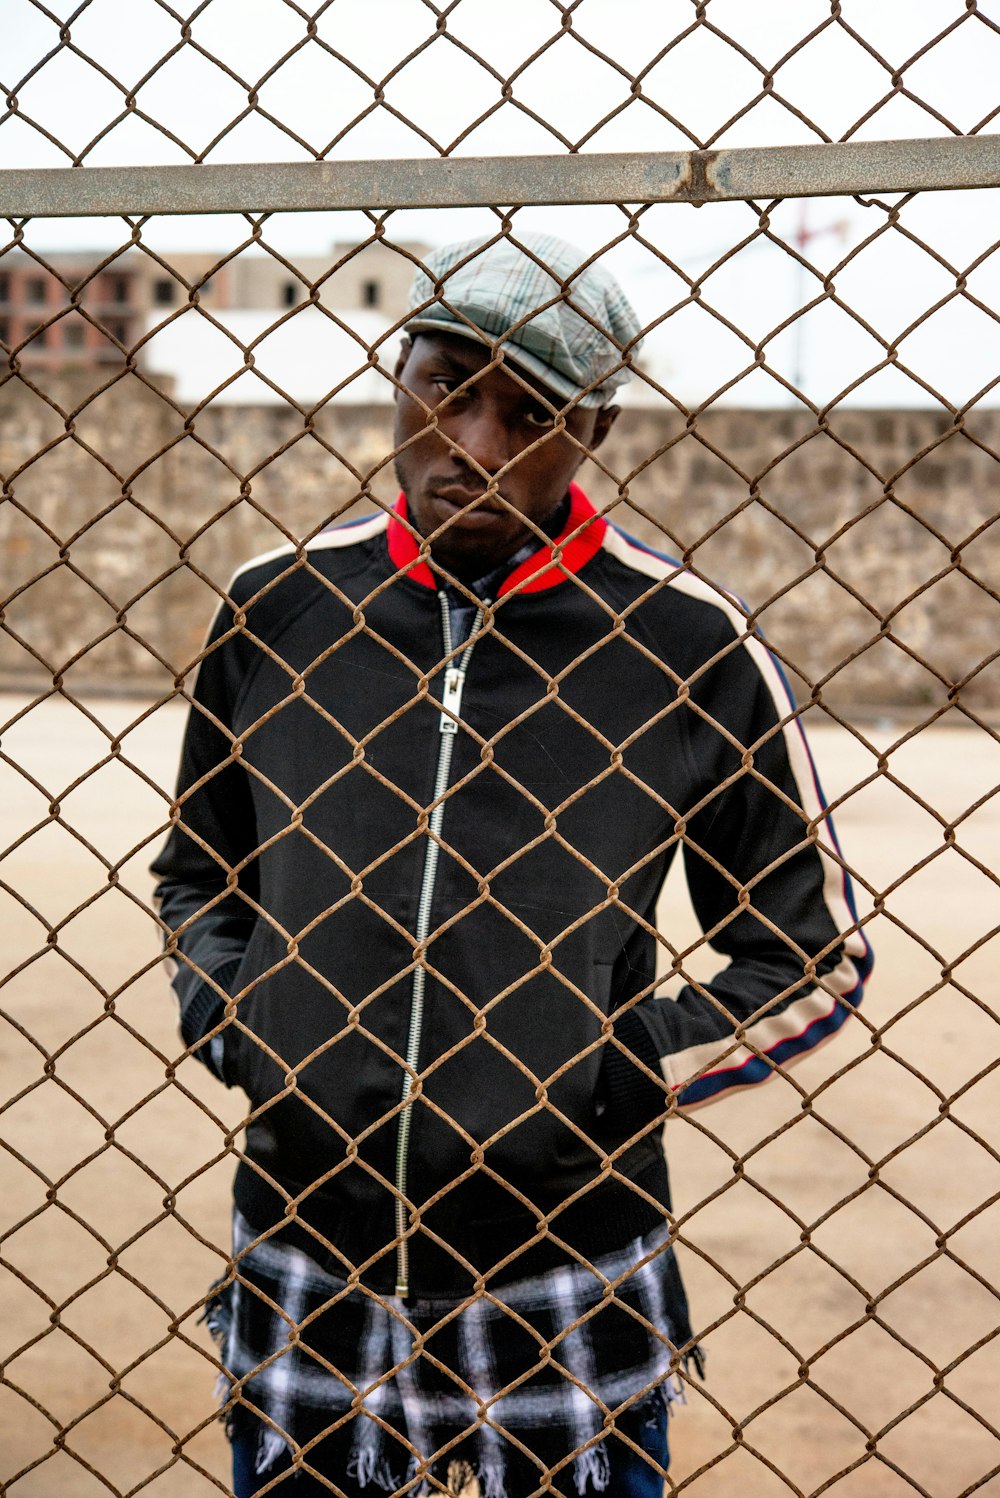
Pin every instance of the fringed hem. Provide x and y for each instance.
(368, 1469)
(270, 1447)
(592, 1467)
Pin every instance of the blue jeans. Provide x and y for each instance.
(631, 1476)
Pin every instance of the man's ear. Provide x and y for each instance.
(603, 422)
(404, 353)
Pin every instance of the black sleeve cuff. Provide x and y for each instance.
(205, 1009)
(633, 1098)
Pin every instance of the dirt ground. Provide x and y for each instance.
(843, 1269)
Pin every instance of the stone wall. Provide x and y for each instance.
(867, 547)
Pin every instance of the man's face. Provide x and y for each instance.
(498, 427)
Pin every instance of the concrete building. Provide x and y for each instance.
(67, 311)
(374, 277)
(306, 331)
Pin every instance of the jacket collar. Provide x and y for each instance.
(536, 573)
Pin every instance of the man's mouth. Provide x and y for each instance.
(458, 499)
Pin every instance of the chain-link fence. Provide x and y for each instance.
(423, 894)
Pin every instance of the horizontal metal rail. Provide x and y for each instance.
(451, 182)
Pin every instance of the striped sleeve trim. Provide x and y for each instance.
(806, 1022)
(798, 1029)
(351, 533)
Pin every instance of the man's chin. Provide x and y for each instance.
(471, 552)
(468, 541)
(465, 562)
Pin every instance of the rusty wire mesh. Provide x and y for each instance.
(838, 1228)
(500, 79)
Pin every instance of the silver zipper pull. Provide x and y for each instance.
(451, 698)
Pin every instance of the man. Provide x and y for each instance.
(438, 765)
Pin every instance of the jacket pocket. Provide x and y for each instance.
(234, 1041)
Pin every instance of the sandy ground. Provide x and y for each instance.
(838, 1255)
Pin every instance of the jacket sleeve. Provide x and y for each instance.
(761, 861)
(207, 882)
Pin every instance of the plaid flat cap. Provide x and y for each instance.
(571, 328)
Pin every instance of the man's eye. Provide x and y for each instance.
(448, 386)
(537, 416)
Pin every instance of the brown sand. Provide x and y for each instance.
(874, 1197)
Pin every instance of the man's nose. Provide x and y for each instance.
(484, 437)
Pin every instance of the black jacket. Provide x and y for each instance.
(614, 709)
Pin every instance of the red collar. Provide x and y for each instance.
(536, 572)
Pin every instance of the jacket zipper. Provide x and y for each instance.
(451, 699)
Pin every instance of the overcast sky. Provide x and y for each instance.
(690, 96)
